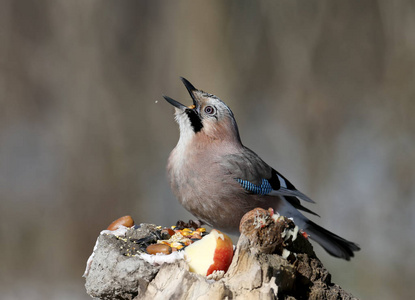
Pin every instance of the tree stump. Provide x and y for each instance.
(272, 260)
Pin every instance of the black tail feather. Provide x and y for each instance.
(332, 243)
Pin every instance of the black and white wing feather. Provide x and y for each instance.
(257, 177)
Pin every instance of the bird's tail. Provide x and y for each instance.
(332, 243)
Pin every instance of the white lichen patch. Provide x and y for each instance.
(159, 258)
(121, 231)
(260, 220)
(275, 216)
(287, 233)
(285, 253)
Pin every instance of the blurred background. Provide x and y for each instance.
(322, 90)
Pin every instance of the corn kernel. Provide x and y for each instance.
(163, 242)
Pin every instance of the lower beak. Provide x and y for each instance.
(175, 103)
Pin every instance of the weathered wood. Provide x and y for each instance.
(258, 269)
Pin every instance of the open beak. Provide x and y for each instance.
(190, 88)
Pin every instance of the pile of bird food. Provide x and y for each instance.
(160, 240)
(206, 253)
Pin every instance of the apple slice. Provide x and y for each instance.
(213, 252)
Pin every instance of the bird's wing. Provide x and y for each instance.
(296, 203)
(257, 177)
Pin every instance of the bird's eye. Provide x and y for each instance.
(209, 110)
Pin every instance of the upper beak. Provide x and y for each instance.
(190, 88)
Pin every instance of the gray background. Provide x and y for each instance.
(322, 90)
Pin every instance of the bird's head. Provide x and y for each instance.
(208, 116)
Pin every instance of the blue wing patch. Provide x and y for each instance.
(263, 189)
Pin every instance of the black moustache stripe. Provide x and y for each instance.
(194, 120)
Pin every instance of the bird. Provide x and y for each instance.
(218, 179)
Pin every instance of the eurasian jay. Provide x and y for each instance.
(218, 179)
